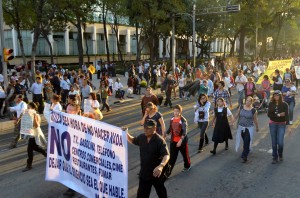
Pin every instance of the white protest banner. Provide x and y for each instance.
(87, 155)
(27, 123)
(297, 71)
(87, 106)
(46, 112)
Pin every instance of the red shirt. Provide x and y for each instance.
(176, 129)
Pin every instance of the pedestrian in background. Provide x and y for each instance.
(278, 113)
(247, 117)
(289, 91)
(37, 140)
(19, 109)
(179, 140)
(37, 91)
(149, 97)
(220, 123)
(240, 82)
(154, 156)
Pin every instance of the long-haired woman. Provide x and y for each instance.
(151, 112)
(278, 113)
(202, 118)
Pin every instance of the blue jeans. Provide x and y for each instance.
(277, 132)
(291, 109)
(241, 97)
(246, 138)
(181, 92)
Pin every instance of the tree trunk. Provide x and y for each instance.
(79, 40)
(263, 48)
(33, 51)
(104, 13)
(50, 47)
(20, 39)
(242, 44)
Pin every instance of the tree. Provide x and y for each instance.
(17, 17)
(77, 12)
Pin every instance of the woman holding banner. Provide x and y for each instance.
(38, 140)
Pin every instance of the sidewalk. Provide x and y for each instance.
(6, 124)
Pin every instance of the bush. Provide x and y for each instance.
(143, 83)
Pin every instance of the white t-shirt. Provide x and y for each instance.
(220, 109)
(262, 69)
(238, 79)
(56, 107)
(227, 83)
(255, 73)
(95, 104)
(110, 82)
(181, 82)
(140, 69)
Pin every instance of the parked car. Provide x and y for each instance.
(43, 64)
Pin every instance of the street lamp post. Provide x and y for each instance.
(194, 33)
(173, 44)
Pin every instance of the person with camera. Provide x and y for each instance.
(19, 109)
(201, 118)
(154, 156)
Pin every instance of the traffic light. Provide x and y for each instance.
(7, 54)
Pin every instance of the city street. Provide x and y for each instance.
(222, 175)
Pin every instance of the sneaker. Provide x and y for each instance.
(244, 160)
(186, 169)
(275, 160)
(291, 122)
(281, 159)
(200, 150)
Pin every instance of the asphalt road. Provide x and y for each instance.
(222, 175)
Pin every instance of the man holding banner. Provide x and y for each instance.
(154, 155)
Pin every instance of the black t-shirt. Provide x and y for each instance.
(151, 153)
(156, 118)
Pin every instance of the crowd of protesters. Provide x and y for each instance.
(209, 85)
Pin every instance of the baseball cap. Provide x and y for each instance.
(149, 124)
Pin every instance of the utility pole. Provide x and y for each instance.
(194, 33)
(173, 43)
(4, 65)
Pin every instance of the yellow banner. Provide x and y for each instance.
(281, 65)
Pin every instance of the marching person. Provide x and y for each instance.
(289, 91)
(201, 118)
(104, 90)
(38, 140)
(222, 131)
(85, 91)
(37, 91)
(19, 109)
(168, 86)
(247, 117)
(95, 107)
(179, 139)
(149, 97)
(240, 82)
(152, 113)
(278, 113)
(222, 93)
(278, 82)
(55, 103)
(154, 156)
(65, 88)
